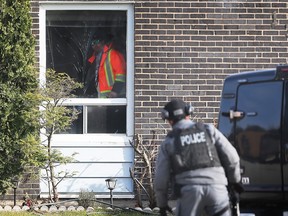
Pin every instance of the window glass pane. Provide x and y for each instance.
(77, 125)
(106, 119)
(90, 46)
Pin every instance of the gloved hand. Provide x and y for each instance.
(235, 189)
(163, 210)
(238, 187)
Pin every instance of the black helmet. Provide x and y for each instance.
(176, 110)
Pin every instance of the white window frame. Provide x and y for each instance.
(128, 7)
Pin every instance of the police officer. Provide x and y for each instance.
(202, 180)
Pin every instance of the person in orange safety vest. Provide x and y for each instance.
(108, 69)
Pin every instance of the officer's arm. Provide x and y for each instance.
(228, 156)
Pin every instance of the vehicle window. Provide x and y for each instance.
(258, 132)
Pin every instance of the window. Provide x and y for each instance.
(92, 46)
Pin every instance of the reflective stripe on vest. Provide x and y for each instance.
(120, 77)
(109, 70)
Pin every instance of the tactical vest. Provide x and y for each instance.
(193, 149)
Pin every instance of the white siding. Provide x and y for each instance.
(98, 157)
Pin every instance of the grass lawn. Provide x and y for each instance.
(73, 213)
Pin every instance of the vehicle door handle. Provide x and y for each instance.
(236, 114)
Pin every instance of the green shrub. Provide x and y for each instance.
(19, 104)
(86, 198)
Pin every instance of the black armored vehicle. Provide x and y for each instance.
(254, 117)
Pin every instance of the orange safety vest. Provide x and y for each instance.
(112, 68)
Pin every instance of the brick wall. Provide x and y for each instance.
(29, 185)
(186, 48)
